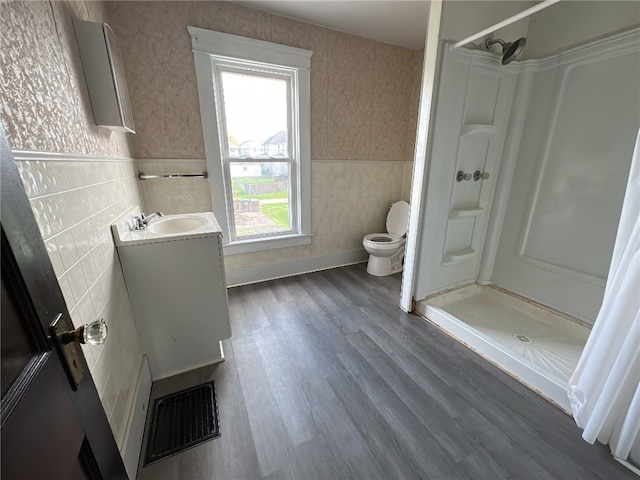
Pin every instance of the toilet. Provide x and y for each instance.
(386, 250)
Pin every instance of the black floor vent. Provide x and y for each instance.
(182, 420)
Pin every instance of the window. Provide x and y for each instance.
(254, 102)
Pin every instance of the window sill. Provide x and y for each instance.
(258, 245)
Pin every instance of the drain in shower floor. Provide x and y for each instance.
(522, 338)
(182, 420)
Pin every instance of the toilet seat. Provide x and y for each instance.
(398, 219)
(383, 241)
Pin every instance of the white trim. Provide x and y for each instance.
(189, 368)
(268, 243)
(209, 45)
(204, 78)
(132, 443)
(44, 156)
(172, 160)
(313, 160)
(234, 46)
(598, 50)
(423, 143)
(612, 46)
(465, 55)
(627, 463)
(508, 21)
(303, 146)
(289, 268)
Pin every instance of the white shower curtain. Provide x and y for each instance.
(604, 390)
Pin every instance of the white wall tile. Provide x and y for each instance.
(54, 256)
(28, 178)
(39, 208)
(83, 201)
(65, 287)
(67, 248)
(84, 311)
(89, 269)
(77, 281)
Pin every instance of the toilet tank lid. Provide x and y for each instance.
(398, 218)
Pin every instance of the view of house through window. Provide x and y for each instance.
(257, 150)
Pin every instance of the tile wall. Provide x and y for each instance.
(175, 195)
(77, 191)
(74, 203)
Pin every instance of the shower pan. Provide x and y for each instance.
(533, 343)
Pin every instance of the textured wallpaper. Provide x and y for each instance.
(363, 101)
(45, 104)
(45, 107)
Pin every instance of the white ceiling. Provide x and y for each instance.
(399, 22)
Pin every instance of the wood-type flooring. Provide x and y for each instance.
(326, 378)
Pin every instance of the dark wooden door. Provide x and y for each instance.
(52, 427)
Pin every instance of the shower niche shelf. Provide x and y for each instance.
(478, 129)
(458, 256)
(465, 212)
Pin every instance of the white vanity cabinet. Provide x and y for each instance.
(178, 294)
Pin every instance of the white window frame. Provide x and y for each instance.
(214, 48)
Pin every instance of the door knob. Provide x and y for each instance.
(94, 333)
(66, 340)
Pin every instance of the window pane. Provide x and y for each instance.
(255, 108)
(260, 198)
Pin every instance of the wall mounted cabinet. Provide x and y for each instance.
(104, 72)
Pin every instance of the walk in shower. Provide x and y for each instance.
(528, 168)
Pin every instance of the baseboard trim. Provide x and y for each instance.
(289, 268)
(137, 417)
(629, 464)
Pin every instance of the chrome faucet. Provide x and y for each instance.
(141, 222)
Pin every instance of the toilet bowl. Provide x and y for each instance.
(386, 250)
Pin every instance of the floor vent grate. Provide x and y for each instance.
(182, 420)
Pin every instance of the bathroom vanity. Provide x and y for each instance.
(174, 273)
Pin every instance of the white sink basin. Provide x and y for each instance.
(166, 229)
(178, 224)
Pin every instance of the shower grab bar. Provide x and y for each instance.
(144, 176)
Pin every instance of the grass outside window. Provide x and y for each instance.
(278, 212)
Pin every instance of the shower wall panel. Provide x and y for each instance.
(474, 103)
(569, 182)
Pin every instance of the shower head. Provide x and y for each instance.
(509, 50)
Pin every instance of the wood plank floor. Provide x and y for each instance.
(326, 378)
